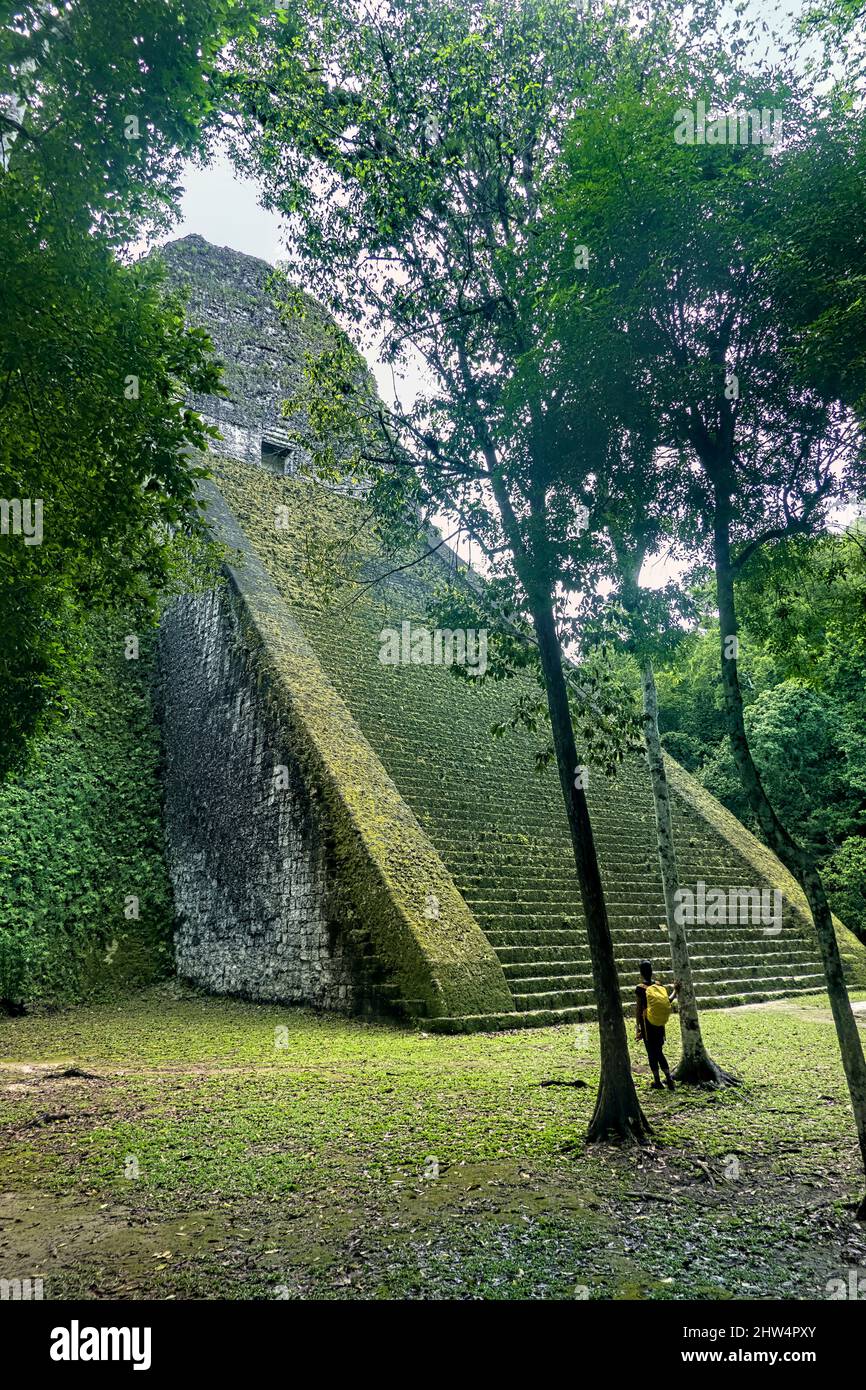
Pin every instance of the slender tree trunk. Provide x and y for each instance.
(617, 1108)
(795, 859)
(696, 1066)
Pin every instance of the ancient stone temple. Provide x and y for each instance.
(227, 293)
(346, 833)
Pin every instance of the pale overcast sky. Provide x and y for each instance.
(224, 208)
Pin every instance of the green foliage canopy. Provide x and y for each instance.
(101, 103)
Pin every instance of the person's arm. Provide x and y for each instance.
(639, 1013)
(675, 991)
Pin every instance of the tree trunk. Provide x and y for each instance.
(696, 1066)
(617, 1108)
(795, 859)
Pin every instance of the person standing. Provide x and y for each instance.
(652, 1011)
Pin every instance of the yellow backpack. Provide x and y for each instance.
(658, 1006)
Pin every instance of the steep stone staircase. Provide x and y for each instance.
(518, 877)
(533, 917)
(497, 824)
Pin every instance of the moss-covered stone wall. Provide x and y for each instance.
(299, 872)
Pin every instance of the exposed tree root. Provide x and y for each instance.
(700, 1070)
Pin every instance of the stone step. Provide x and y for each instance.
(617, 912)
(540, 963)
(629, 926)
(705, 979)
(647, 924)
(535, 984)
(626, 941)
(545, 826)
(543, 875)
(581, 996)
(546, 1018)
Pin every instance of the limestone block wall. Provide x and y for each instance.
(237, 442)
(258, 910)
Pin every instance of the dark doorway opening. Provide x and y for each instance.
(276, 457)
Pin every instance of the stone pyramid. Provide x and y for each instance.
(347, 833)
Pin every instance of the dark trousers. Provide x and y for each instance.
(654, 1037)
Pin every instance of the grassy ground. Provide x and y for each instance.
(175, 1146)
